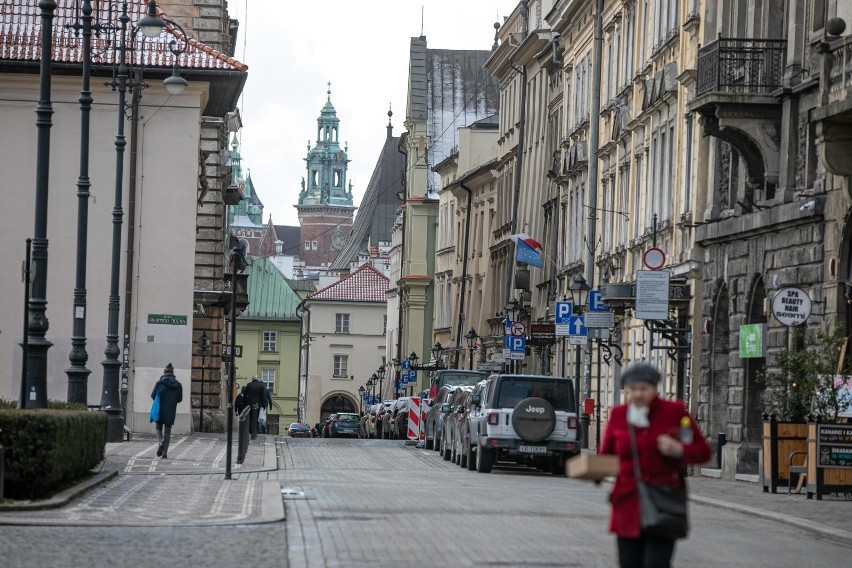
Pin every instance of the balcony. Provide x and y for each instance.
(834, 114)
(741, 66)
(736, 96)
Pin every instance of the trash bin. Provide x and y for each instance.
(243, 436)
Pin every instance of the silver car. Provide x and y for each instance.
(465, 446)
(450, 417)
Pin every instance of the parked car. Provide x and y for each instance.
(299, 430)
(324, 428)
(362, 425)
(466, 437)
(454, 422)
(345, 425)
(383, 424)
(446, 446)
(528, 419)
(455, 378)
(435, 417)
(370, 423)
(399, 426)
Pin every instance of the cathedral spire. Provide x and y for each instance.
(327, 162)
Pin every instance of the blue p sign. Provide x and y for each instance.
(564, 311)
(596, 302)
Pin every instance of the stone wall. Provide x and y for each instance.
(204, 20)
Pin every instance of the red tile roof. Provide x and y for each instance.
(20, 38)
(364, 285)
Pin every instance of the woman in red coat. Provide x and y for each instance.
(663, 448)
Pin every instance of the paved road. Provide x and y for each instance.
(380, 503)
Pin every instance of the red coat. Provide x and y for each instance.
(664, 418)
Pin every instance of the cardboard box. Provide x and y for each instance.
(592, 466)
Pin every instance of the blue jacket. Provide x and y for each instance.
(171, 393)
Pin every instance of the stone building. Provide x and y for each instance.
(772, 90)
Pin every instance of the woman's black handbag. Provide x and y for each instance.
(662, 508)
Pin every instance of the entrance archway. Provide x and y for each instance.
(720, 365)
(753, 405)
(337, 402)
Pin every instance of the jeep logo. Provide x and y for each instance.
(534, 409)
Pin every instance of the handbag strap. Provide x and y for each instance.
(637, 471)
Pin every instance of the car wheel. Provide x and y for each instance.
(463, 456)
(430, 443)
(471, 457)
(558, 466)
(484, 459)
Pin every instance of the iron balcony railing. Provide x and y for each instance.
(741, 66)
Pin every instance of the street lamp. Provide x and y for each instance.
(361, 391)
(78, 373)
(151, 26)
(380, 372)
(35, 345)
(512, 309)
(110, 401)
(437, 349)
(204, 350)
(579, 290)
(471, 337)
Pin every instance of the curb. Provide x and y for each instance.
(64, 497)
(797, 522)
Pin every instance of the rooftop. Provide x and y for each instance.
(20, 38)
(270, 294)
(364, 285)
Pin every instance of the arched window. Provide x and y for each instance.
(314, 178)
(337, 178)
(334, 131)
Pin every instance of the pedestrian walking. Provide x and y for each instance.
(264, 411)
(255, 393)
(240, 402)
(167, 393)
(654, 439)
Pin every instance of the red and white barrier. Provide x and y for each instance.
(414, 418)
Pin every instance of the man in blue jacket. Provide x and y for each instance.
(171, 393)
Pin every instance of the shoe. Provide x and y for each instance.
(165, 456)
(160, 451)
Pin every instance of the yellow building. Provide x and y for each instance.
(268, 332)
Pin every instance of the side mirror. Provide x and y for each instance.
(476, 399)
(445, 408)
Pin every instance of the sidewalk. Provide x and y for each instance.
(829, 517)
(187, 489)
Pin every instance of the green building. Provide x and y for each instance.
(268, 331)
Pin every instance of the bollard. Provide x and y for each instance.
(2, 467)
(722, 439)
(243, 436)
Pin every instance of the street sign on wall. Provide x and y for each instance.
(752, 341)
(226, 351)
(652, 294)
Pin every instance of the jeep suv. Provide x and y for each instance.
(528, 419)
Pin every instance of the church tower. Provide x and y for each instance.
(325, 202)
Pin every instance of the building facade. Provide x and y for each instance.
(343, 341)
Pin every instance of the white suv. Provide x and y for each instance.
(528, 419)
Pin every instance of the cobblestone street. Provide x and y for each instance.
(380, 503)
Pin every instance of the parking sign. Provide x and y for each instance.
(564, 311)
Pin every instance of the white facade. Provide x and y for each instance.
(341, 358)
(167, 179)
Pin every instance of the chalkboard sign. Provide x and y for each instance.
(834, 445)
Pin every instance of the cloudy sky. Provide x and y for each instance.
(294, 48)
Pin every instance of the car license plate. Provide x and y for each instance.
(533, 449)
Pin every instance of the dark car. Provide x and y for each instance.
(455, 378)
(345, 425)
(299, 430)
(324, 428)
(435, 417)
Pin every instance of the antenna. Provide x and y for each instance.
(422, 16)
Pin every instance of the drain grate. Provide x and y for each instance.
(290, 493)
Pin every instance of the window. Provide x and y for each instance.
(270, 341)
(385, 324)
(307, 245)
(337, 178)
(314, 178)
(268, 378)
(341, 366)
(313, 245)
(341, 323)
(637, 196)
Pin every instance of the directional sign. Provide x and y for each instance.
(577, 324)
(518, 329)
(564, 311)
(406, 364)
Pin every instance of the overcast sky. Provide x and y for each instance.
(294, 48)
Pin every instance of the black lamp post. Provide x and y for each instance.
(151, 27)
(204, 351)
(78, 373)
(579, 290)
(36, 346)
(380, 372)
(471, 337)
(361, 391)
